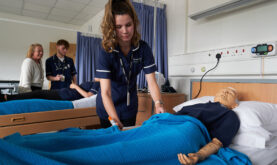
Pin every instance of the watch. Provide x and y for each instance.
(159, 102)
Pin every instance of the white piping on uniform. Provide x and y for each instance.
(107, 71)
(149, 66)
(94, 90)
(115, 50)
(136, 48)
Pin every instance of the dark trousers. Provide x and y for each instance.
(36, 88)
(105, 123)
(38, 94)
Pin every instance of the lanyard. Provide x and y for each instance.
(127, 78)
(61, 65)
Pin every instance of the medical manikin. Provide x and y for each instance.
(227, 98)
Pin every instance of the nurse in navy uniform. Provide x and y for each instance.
(123, 56)
(60, 69)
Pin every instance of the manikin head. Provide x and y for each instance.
(227, 97)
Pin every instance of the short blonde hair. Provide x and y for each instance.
(32, 48)
(112, 8)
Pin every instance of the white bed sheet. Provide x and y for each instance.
(258, 156)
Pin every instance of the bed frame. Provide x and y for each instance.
(250, 90)
(37, 122)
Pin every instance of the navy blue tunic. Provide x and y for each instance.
(73, 94)
(109, 67)
(221, 122)
(55, 66)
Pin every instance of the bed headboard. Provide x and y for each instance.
(248, 90)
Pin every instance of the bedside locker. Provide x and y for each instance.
(145, 104)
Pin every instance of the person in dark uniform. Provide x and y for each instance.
(60, 69)
(221, 122)
(123, 56)
(75, 92)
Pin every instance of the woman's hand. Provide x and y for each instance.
(191, 159)
(118, 123)
(159, 109)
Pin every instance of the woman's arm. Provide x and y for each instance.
(80, 90)
(26, 76)
(155, 92)
(107, 100)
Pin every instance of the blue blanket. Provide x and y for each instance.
(157, 141)
(32, 105)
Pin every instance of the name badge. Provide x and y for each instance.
(136, 60)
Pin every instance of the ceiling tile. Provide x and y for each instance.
(34, 14)
(98, 3)
(81, 1)
(49, 3)
(83, 15)
(36, 7)
(65, 13)
(91, 9)
(11, 3)
(67, 4)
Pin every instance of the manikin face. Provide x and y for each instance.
(227, 97)
(124, 28)
(38, 53)
(61, 50)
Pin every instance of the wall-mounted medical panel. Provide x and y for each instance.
(237, 60)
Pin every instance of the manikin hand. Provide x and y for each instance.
(191, 159)
(73, 86)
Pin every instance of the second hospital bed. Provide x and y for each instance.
(38, 115)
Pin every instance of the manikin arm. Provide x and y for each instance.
(209, 149)
(82, 92)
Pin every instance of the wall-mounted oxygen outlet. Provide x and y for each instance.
(264, 50)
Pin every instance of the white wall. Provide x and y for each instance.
(17, 33)
(95, 23)
(229, 31)
(176, 26)
(244, 26)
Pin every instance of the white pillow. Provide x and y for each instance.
(199, 100)
(256, 137)
(258, 114)
(258, 121)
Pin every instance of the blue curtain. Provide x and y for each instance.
(146, 17)
(88, 49)
(161, 42)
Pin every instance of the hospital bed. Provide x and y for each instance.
(258, 91)
(37, 122)
(263, 91)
